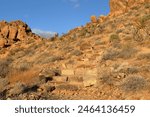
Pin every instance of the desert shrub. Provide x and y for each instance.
(144, 56)
(77, 53)
(68, 49)
(141, 28)
(85, 46)
(105, 76)
(54, 58)
(48, 59)
(144, 19)
(14, 51)
(4, 67)
(127, 51)
(18, 88)
(129, 70)
(19, 54)
(147, 6)
(135, 8)
(3, 83)
(110, 54)
(132, 70)
(82, 33)
(106, 79)
(134, 83)
(146, 68)
(117, 45)
(114, 38)
(138, 36)
(31, 40)
(119, 31)
(24, 66)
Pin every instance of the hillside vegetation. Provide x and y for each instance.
(108, 58)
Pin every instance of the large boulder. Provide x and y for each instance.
(2, 24)
(13, 32)
(93, 19)
(90, 77)
(2, 42)
(14, 29)
(5, 31)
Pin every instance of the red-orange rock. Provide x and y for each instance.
(121, 6)
(2, 42)
(93, 19)
(5, 31)
(13, 32)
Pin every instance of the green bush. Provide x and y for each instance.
(114, 38)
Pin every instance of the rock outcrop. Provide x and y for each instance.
(13, 31)
(120, 6)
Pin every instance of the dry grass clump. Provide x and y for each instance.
(3, 83)
(105, 76)
(144, 56)
(18, 88)
(106, 79)
(134, 83)
(77, 53)
(85, 46)
(110, 54)
(4, 67)
(47, 58)
(144, 19)
(147, 5)
(26, 77)
(114, 38)
(132, 70)
(24, 66)
(127, 51)
(146, 68)
(141, 28)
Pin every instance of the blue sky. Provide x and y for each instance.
(53, 15)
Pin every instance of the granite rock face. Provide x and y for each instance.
(13, 31)
(121, 6)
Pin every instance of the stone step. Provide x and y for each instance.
(69, 86)
(67, 72)
(60, 79)
(67, 79)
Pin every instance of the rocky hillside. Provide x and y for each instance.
(14, 31)
(108, 58)
(122, 6)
